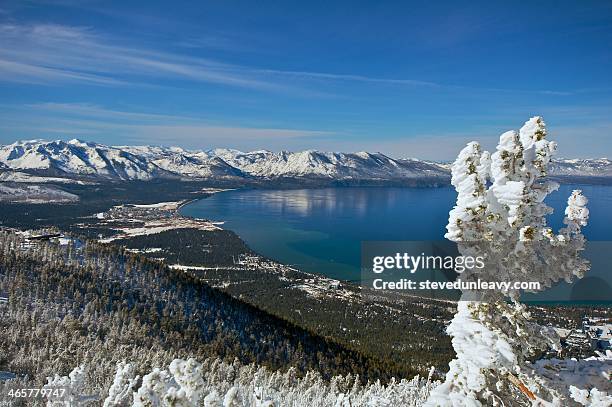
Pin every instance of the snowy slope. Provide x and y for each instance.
(78, 158)
(599, 167)
(10, 192)
(175, 160)
(93, 160)
(311, 163)
(25, 178)
(144, 162)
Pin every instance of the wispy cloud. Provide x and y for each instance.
(406, 82)
(94, 111)
(57, 54)
(350, 77)
(47, 53)
(29, 73)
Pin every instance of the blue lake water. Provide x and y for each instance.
(321, 230)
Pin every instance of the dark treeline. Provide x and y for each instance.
(192, 247)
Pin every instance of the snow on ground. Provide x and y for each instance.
(201, 268)
(131, 220)
(36, 194)
(147, 250)
(159, 226)
(588, 380)
(216, 190)
(23, 177)
(165, 206)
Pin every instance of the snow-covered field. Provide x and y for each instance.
(167, 206)
(132, 220)
(162, 225)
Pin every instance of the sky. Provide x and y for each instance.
(405, 78)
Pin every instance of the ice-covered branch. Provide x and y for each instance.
(501, 213)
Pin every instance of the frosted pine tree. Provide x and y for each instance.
(188, 376)
(154, 389)
(500, 212)
(215, 383)
(182, 386)
(120, 392)
(232, 398)
(71, 389)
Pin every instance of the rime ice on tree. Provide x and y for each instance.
(500, 212)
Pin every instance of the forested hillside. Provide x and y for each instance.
(86, 303)
(406, 332)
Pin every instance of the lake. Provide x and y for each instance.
(320, 230)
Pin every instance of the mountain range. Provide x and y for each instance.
(89, 160)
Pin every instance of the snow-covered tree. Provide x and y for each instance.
(232, 398)
(218, 384)
(154, 389)
(120, 392)
(188, 376)
(182, 386)
(501, 214)
(68, 390)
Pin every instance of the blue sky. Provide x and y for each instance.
(409, 79)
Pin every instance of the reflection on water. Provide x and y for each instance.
(320, 230)
(306, 202)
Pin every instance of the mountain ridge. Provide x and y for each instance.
(76, 158)
(89, 159)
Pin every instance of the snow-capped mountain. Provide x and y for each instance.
(179, 162)
(318, 164)
(597, 167)
(76, 158)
